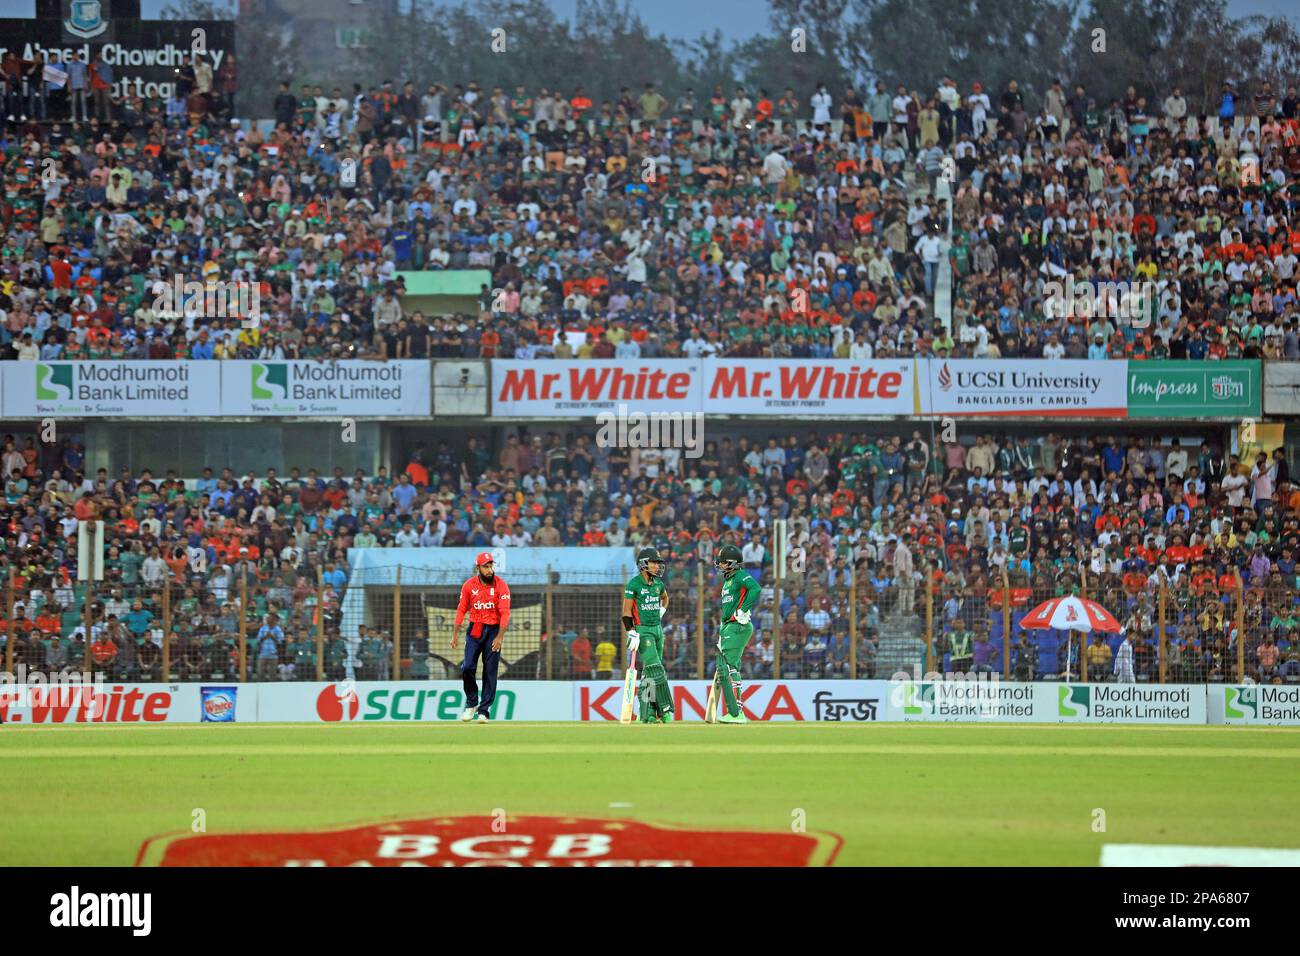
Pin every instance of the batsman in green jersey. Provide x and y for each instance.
(644, 602)
(740, 593)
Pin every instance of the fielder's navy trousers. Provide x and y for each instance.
(476, 645)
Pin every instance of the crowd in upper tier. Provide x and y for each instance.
(744, 223)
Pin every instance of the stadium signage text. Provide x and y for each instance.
(54, 704)
(1279, 703)
(120, 389)
(995, 387)
(1130, 702)
(580, 385)
(551, 389)
(845, 708)
(121, 384)
(885, 388)
(197, 389)
(541, 389)
(597, 700)
(803, 382)
(339, 702)
(166, 56)
(144, 53)
(961, 699)
(325, 388)
(995, 700)
(1177, 389)
(1255, 704)
(1018, 380)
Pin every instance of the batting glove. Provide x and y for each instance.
(741, 616)
(633, 640)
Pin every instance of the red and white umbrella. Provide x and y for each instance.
(1071, 614)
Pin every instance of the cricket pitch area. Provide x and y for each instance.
(793, 793)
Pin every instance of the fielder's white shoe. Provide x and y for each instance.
(468, 715)
(482, 718)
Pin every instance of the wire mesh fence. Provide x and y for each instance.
(825, 620)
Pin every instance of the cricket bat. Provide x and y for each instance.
(629, 691)
(711, 708)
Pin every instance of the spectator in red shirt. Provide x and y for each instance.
(580, 657)
(62, 271)
(103, 652)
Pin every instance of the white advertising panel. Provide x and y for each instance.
(365, 701)
(575, 389)
(1254, 704)
(161, 389)
(113, 703)
(1026, 387)
(1046, 703)
(846, 701)
(831, 387)
(305, 388)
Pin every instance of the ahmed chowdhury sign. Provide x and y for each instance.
(144, 54)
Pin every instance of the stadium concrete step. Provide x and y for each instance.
(902, 646)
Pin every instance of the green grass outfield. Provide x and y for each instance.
(897, 794)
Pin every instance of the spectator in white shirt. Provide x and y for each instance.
(1175, 462)
(153, 572)
(28, 351)
(821, 106)
(1234, 487)
(433, 533)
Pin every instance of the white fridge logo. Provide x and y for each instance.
(102, 909)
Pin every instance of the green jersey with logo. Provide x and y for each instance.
(1019, 539)
(739, 591)
(647, 598)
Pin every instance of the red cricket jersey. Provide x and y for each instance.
(485, 603)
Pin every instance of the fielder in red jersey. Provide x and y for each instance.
(485, 598)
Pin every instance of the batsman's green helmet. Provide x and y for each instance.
(647, 556)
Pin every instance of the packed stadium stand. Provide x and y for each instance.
(869, 225)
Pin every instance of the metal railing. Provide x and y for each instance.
(809, 624)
